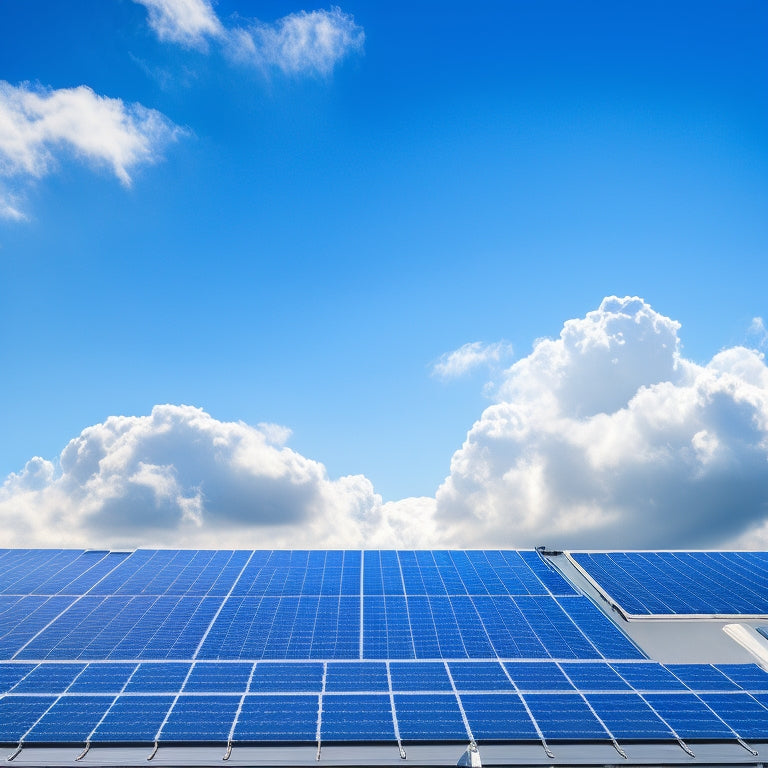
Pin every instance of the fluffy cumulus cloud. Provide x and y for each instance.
(609, 437)
(38, 127)
(473, 355)
(302, 42)
(604, 437)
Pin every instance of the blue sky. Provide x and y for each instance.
(300, 247)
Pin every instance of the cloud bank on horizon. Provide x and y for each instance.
(604, 437)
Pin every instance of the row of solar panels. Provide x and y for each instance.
(432, 717)
(379, 677)
(683, 583)
(278, 573)
(172, 627)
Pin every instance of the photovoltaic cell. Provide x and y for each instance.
(689, 716)
(212, 677)
(594, 677)
(10, 674)
(102, 678)
(49, 678)
(479, 676)
(19, 713)
(702, 677)
(648, 677)
(745, 714)
(538, 676)
(429, 717)
(419, 676)
(200, 718)
(70, 720)
(363, 676)
(363, 717)
(628, 717)
(278, 719)
(158, 678)
(565, 717)
(273, 677)
(746, 676)
(133, 719)
(498, 717)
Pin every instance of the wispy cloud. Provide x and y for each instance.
(757, 333)
(603, 437)
(451, 365)
(38, 126)
(299, 43)
(187, 22)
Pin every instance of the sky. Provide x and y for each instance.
(405, 275)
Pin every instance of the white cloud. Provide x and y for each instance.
(757, 333)
(603, 437)
(301, 42)
(608, 437)
(451, 365)
(187, 22)
(180, 477)
(38, 126)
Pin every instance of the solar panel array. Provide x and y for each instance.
(681, 583)
(336, 647)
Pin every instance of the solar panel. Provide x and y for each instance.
(429, 717)
(366, 717)
(565, 717)
(720, 583)
(340, 647)
(133, 720)
(70, 720)
(200, 719)
(498, 717)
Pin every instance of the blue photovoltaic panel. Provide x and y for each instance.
(357, 718)
(19, 713)
(212, 677)
(648, 677)
(745, 714)
(201, 718)
(102, 678)
(730, 583)
(429, 717)
(498, 717)
(747, 676)
(158, 678)
(565, 717)
(479, 676)
(297, 614)
(278, 719)
(549, 577)
(273, 677)
(602, 633)
(10, 674)
(689, 716)
(70, 720)
(702, 677)
(538, 676)
(361, 676)
(627, 716)
(594, 677)
(419, 676)
(26, 617)
(49, 678)
(133, 719)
